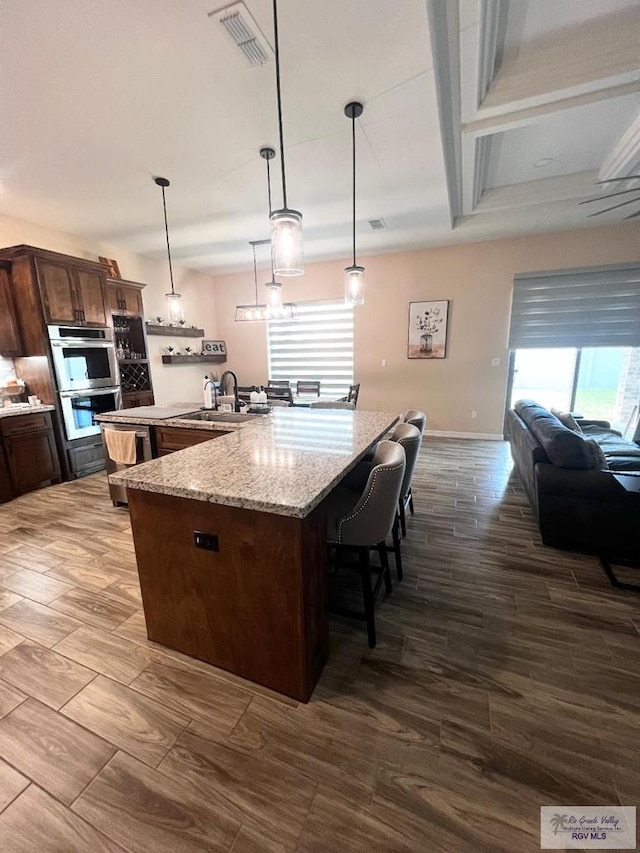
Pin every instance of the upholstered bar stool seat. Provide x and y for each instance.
(362, 522)
(419, 420)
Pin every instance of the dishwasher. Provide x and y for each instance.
(143, 454)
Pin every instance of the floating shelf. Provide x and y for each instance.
(193, 359)
(174, 331)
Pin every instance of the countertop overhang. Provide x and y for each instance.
(14, 411)
(284, 464)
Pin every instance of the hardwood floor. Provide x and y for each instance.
(506, 677)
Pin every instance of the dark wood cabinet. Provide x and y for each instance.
(58, 293)
(170, 439)
(30, 456)
(125, 297)
(10, 343)
(6, 490)
(91, 297)
(142, 398)
(72, 295)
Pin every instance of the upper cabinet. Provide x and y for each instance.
(10, 344)
(125, 297)
(72, 294)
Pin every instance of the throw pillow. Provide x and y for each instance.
(598, 455)
(567, 419)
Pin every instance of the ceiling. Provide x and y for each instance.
(461, 99)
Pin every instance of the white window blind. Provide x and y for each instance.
(318, 345)
(593, 307)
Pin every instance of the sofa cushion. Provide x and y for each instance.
(567, 419)
(565, 448)
(613, 444)
(600, 460)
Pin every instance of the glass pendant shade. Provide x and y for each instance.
(274, 294)
(286, 242)
(354, 285)
(175, 310)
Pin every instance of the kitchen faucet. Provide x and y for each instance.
(236, 407)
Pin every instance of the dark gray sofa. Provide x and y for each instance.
(578, 502)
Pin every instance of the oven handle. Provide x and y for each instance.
(77, 344)
(98, 392)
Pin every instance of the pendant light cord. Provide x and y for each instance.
(269, 185)
(279, 98)
(255, 271)
(166, 231)
(353, 149)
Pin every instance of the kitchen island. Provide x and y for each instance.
(231, 545)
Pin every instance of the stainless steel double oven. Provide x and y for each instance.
(87, 375)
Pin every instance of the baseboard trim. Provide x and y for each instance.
(481, 436)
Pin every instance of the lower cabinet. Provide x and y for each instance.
(6, 491)
(30, 454)
(170, 439)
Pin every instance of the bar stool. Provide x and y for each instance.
(360, 523)
(409, 437)
(418, 419)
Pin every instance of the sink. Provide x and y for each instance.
(223, 417)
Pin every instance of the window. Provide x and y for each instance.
(318, 345)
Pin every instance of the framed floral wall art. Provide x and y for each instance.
(428, 329)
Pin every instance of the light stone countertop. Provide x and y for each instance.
(139, 417)
(13, 411)
(285, 463)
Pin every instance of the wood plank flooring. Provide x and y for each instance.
(506, 677)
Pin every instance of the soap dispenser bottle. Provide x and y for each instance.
(208, 387)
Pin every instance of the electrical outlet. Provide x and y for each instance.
(495, 362)
(474, 415)
(383, 363)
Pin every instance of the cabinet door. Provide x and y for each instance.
(32, 460)
(91, 298)
(9, 335)
(113, 299)
(132, 298)
(6, 490)
(58, 293)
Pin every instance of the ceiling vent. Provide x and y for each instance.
(240, 26)
(377, 224)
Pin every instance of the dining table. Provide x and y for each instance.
(305, 400)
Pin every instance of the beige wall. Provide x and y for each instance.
(476, 277)
(171, 382)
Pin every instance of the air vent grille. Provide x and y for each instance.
(238, 24)
(377, 224)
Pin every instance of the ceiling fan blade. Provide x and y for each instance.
(616, 206)
(633, 215)
(610, 195)
(628, 178)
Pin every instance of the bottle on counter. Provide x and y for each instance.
(208, 388)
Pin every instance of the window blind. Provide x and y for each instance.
(318, 344)
(593, 307)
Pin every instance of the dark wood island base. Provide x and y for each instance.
(240, 589)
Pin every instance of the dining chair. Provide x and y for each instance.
(352, 396)
(244, 392)
(279, 392)
(308, 386)
(419, 420)
(363, 522)
(331, 404)
(278, 383)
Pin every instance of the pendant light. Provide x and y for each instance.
(286, 224)
(174, 300)
(262, 311)
(274, 288)
(354, 275)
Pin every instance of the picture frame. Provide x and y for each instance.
(428, 326)
(114, 269)
(214, 348)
